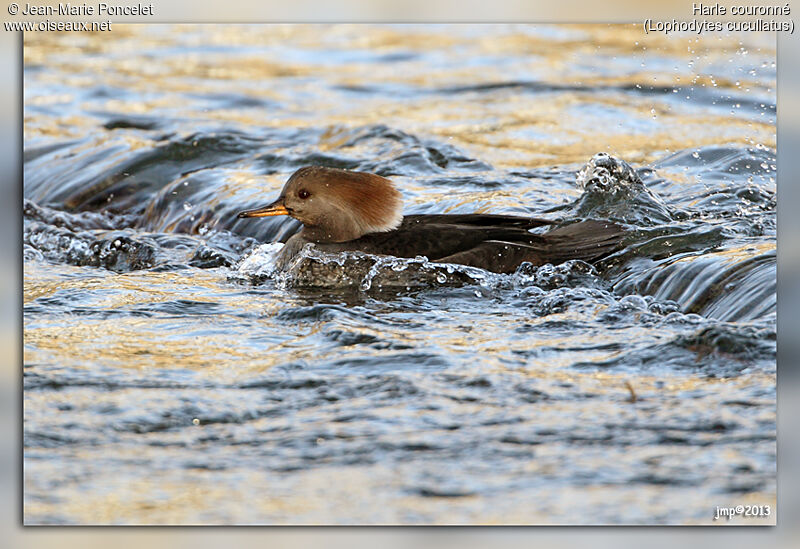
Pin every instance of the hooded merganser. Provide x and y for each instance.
(343, 210)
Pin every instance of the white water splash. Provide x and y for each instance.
(259, 263)
(313, 268)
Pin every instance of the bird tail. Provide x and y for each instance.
(586, 240)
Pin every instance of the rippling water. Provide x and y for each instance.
(172, 376)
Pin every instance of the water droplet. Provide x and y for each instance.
(187, 206)
(196, 421)
(441, 278)
(696, 154)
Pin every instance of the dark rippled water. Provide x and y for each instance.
(172, 376)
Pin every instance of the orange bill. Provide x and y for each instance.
(276, 208)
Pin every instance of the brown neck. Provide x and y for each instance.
(336, 228)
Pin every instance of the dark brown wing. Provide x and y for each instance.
(475, 220)
(586, 240)
(438, 236)
(494, 242)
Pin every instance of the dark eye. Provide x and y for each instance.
(302, 193)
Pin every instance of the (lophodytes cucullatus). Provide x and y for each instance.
(343, 210)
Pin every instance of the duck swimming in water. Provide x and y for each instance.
(343, 210)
